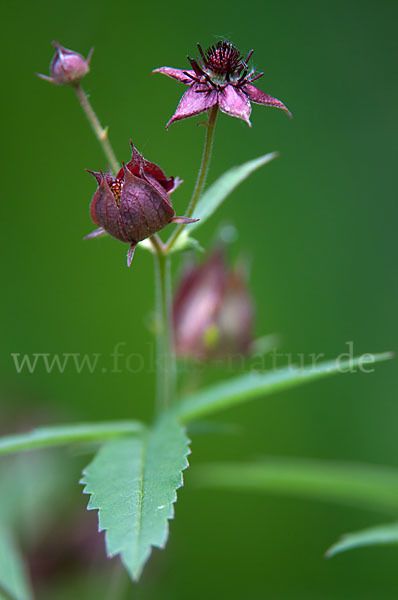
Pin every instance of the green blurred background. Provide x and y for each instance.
(319, 225)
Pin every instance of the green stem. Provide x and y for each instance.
(101, 133)
(204, 167)
(166, 364)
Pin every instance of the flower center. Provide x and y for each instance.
(223, 59)
(116, 189)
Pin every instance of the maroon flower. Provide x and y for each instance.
(212, 311)
(67, 67)
(135, 204)
(221, 77)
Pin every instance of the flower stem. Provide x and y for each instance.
(166, 364)
(204, 167)
(101, 133)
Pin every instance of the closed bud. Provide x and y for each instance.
(213, 311)
(135, 204)
(67, 67)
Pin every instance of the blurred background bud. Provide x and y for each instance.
(213, 310)
(67, 67)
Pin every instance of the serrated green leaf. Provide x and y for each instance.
(14, 582)
(374, 536)
(255, 384)
(133, 483)
(60, 435)
(365, 486)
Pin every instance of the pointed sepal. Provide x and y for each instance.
(183, 220)
(130, 254)
(94, 234)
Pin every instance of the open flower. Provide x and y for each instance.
(221, 77)
(135, 204)
(212, 311)
(67, 66)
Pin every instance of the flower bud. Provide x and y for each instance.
(135, 204)
(212, 311)
(67, 67)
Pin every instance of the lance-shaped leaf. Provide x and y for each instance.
(14, 582)
(215, 195)
(365, 486)
(133, 483)
(374, 536)
(256, 384)
(60, 435)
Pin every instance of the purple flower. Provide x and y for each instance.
(135, 204)
(67, 67)
(221, 77)
(212, 311)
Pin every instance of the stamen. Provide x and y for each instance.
(202, 53)
(208, 79)
(256, 77)
(196, 67)
(249, 56)
(191, 76)
(242, 77)
(116, 189)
